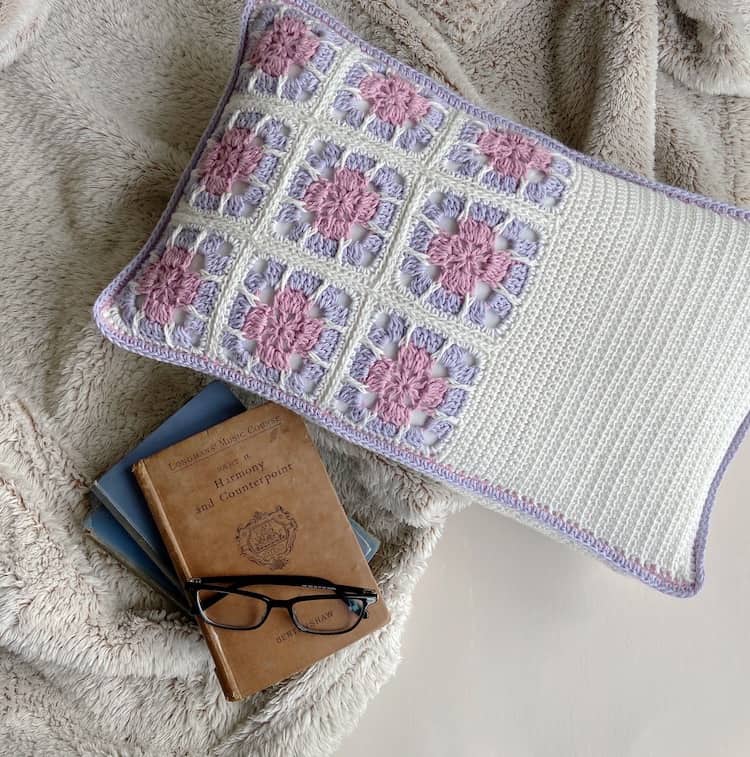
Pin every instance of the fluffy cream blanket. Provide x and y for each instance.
(101, 103)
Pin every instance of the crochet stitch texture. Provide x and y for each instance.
(455, 292)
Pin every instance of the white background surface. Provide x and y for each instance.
(518, 645)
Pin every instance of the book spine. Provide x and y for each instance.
(138, 573)
(101, 496)
(223, 671)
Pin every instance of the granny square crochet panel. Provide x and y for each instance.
(456, 292)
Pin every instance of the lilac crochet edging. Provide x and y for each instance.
(507, 499)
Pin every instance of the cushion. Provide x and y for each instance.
(565, 340)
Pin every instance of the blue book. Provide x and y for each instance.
(118, 490)
(102, 527)
(368, 543)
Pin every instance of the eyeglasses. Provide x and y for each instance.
(325, 608)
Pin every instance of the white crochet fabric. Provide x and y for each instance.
(457, 293)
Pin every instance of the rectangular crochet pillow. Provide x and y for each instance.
(455, 292)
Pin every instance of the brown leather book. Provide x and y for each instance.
(251, 497)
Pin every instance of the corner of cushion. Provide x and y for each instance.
(101, 315)
(701, 535)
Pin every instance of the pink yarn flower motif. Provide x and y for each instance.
(341, 202)
(168, 285)
(232, 158)
(512, 154)
(393, 99)
(389, 107)
(468, 257)
(506, 161)
(405, 384)
(282, 329)
(287, 42)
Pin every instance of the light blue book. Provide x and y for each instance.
(368, 543)
(118, 490)
(102, 527)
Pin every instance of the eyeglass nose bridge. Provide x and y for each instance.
(284, 604)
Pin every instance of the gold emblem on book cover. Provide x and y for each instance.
(267, 538)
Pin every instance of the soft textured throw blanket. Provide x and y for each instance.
(95, 127)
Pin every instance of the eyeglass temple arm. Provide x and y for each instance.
(235, 582)
(205, 604)
(305, 582)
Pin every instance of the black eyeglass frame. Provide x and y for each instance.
(232, 584)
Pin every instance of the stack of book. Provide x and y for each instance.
(230, 514)
(120, 519)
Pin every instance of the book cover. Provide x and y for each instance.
(118, 490)
(101, 526)
(251, 496)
